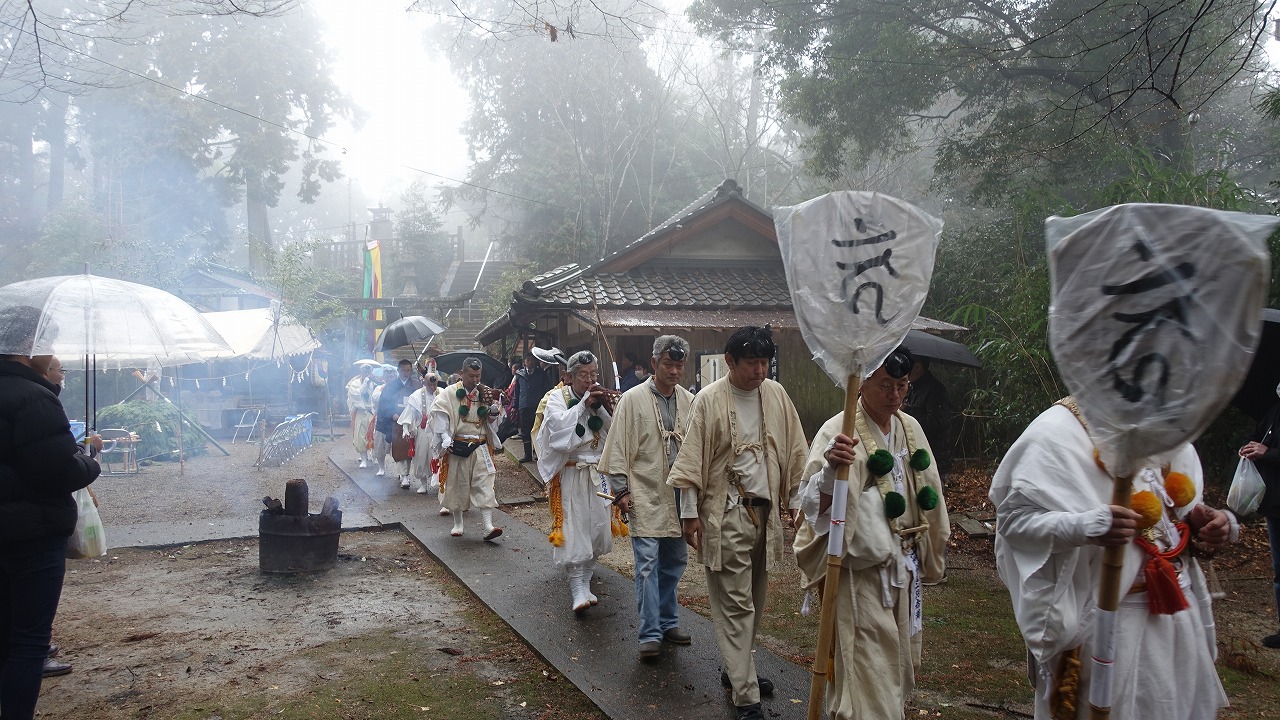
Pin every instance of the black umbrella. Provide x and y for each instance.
(1259, 389)
(940, 350)
(493, 372)
(407, 331)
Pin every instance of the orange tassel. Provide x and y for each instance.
(556, 537)
(616, 525)
(1164, 594)
(444, 471)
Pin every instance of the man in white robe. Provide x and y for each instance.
(360, 402)
(381, 446)
(415, 419)
(644, 438)
(569, 442)
(879, 604)
(466, 425)
(1053, 519)
(739, 467)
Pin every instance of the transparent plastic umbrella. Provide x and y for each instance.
(114, 321)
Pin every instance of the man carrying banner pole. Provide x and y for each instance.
(858, 267)
(895, 538)
(1155, 311)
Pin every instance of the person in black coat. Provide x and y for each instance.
(928, 403)
(40, 466)
(1264, 450)
(537, 379)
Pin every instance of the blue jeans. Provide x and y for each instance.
(1273, 534)
(660, 564)
(30, 585)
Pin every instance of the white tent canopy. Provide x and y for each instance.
(255, 334)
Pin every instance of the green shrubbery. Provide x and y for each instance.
(156, 424)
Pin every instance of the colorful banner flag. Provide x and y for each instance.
(372, 281)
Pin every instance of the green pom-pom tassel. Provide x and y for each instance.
(580, 430)
(894, 505)
(463, 410)
(595, 422)
(927, 498)
(573, 401)
(879, 463)
(461, 393)
(483, 411)
(920, 460)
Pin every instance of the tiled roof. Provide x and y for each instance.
(721, 193)
(704, 288)
(779, 318)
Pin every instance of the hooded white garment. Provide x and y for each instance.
(1051, 497)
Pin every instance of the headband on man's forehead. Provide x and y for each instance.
(580, 358)
(674, 346)
(899, 363)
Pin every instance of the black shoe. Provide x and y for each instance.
(54, 668)
(524, 460)
(678, 636)
(1272, 641)
(53, 650)
(750, 712)
(766, 685)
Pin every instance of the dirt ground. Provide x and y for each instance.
(197, 632)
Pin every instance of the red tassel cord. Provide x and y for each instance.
(1164, 594)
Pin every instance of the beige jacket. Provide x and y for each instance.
(637, 449)
(707, 455)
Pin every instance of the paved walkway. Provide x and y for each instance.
(515, 577)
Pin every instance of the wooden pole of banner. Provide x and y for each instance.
(827, 619)
(617, 381)
(1109, 584)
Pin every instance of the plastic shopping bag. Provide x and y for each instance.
(1247, 489)
(87, 541)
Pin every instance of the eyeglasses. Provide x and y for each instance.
(888, 388)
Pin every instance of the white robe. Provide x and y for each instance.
(469, 481)
(878, 648)
(587, 530)
(1050, 496)
(415, 419)
(358, 400)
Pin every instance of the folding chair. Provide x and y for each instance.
(119, 448)
(248, 420)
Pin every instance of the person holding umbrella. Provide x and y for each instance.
(40, 466)
(395, 394)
